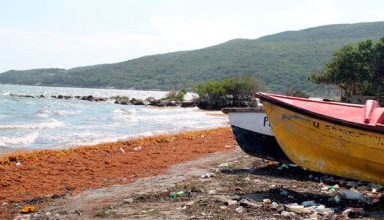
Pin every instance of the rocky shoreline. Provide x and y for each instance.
(121, 100)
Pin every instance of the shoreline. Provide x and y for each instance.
(40, 173)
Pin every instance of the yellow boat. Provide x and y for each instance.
(329, 137)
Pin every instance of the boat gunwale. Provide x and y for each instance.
(271, 99)
(242, 110)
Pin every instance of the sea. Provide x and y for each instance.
(49, 123)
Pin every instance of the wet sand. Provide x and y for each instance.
(27, 177)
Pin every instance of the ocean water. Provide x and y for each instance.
(46, 123)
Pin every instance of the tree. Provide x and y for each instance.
(357, 69)
(234, 91)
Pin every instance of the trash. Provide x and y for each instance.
(286, 214)
(177, 194)
(18, 163)
(283, 166)
(300, 209)
(267, 201)
(28, 209)
(137, 148)
(322, 210)
(189, 203)
(223, 165)
(271, 164)
(223, 207)
(240, 209)
(122, 150)
(249, 204)
(354, 212)
(231, 202)
(331, 188)
(352, 195)
(314, 216)
(128, 200)
(212, 191)
(337, 198)
(247, 178)
(274, 205)
(309, 203)
(208, 175)
(283, 192)
(182, 207)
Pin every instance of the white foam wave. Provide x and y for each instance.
(21, 141)
(53, 123)
(66, 112)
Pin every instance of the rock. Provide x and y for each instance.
(247, 178)
(137, 148)
(171, 103)
(186, 104)
(300, 209)
(223, 207)
(352, 195)
(87, 98)
(137, 101)
(18, 163)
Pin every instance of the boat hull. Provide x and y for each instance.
(253, 133)
(259, 145)
(327, 147)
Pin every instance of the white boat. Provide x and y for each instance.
(253, 133)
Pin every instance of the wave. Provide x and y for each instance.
(23, 140)
(53, 123)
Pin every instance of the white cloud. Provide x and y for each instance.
(31, 49)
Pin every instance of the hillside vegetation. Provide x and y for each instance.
(281, 61)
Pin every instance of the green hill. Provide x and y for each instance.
(281, 61)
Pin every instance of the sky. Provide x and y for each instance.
(71, 33)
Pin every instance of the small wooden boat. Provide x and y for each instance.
(253, 133)
(329, 137)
